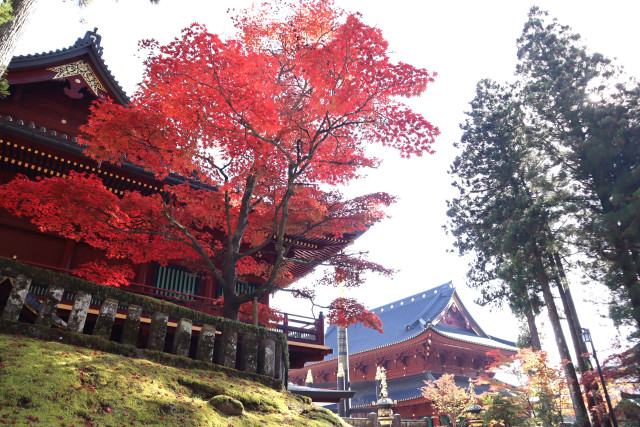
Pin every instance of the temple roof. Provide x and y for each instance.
(88, 46)
(401, 389)
(411, 316)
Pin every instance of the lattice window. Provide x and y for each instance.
(178, 280)
(241, 289)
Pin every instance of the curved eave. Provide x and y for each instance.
(41, 135)
(379, 347)
(82, 47)
(493, 344)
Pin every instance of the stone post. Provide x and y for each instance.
(157, 331)
(343, 358)
(182, 337)
(228, 348)
(266, 357)
(132, 325)
(373, 416)
(107, 315)
(280, 368)
(78, 315)
(206, 343)
(49, 306)
(16, 298)
(340, 386)
(249, 361)
(397, 421)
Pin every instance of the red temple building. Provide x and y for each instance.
(51, 94)
(425, 335)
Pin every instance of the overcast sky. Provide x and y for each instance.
(464, 41)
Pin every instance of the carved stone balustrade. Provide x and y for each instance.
(75, 306)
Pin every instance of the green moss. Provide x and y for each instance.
(221, 399)
(64, 384)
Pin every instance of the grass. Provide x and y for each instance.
(53, 384)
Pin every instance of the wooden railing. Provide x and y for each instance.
(302, 328)
(296, 328)
(132, 319)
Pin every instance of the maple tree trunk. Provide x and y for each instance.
(579, 408)
(11, 31)
(230, 307)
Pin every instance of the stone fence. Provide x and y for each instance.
(372, 421)
(82, 307)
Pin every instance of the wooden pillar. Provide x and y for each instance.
(67, 255)
(209, 287)
(143, 273)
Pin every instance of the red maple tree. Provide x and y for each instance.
(264, 125)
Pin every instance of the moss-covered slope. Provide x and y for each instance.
(52, 384)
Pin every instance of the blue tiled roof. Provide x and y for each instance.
(406, 318)
(401, 320)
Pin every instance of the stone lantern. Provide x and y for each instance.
(385, 413)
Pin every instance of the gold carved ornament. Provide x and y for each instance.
(79, 68)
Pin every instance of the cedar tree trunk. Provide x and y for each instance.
(11, 31)
(582, 419)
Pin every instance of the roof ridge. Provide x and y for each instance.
(433, 301)
(404, 300)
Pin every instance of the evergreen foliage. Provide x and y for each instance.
(587, 116)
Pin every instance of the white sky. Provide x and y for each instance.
(464, 41)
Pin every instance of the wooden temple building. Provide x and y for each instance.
(50, 97)
(425, 335)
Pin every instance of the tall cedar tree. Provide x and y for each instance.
(590, 118)
(486, 174)
(274, 118)
(505, 209)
